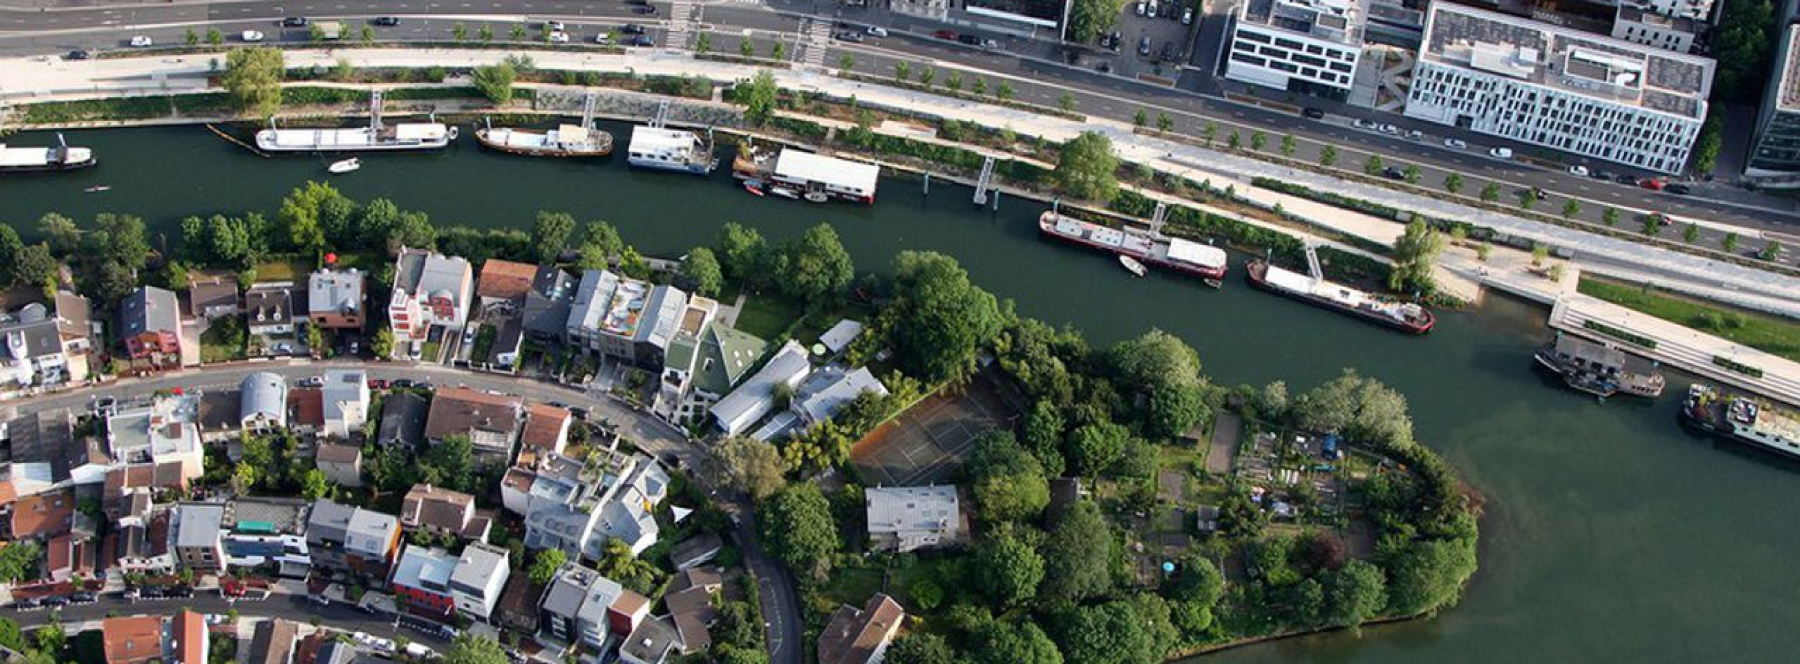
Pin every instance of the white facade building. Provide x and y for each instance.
(1309, 46)
(1550, 86)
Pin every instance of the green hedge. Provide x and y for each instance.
(937, 153)
(121, 108)
(1736, 366)
(1626, 336)
(1328, 198)
(803, 128)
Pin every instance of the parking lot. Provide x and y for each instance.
(1153, 39)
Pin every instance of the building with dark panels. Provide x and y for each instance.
(403, 416)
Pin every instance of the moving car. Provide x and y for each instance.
(1455, 143)
(387, 21)
(1678, 189)
(251, 36)
(603, 38)
(1653, 184)
(1625, 178)
(877, 31)
(640, 40)
(78, 55)
(1579, 170)
(972, 40)
(294, 22)
(1500, 153)
(645, 10)
(554, 26)
(559, 37)
(945, 34)
(850, 36)
(1314, 113)
(632, 29)
(141, 41)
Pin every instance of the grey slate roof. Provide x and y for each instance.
(547, 305)
(263, 393)
(591, 298)
(403, 419)
(329, 522)
(199, 525)
(150, 309)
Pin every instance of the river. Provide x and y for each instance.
(1610, 534)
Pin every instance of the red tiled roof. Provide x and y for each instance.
(132, 639)
(189, 633)
(42, 515)
(308, 406)
(853, 636)
(544, 427)
(459, 410)
(505, 279)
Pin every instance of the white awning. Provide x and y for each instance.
(798, 166)
(1194, 253)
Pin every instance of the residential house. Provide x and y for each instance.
(837, 339)
(262, 402)
(577, 507)
(42, 516)
(273, 642)
(422, 580)
(504, 282)
(132, 639)
(491, 421)
(141, 545)
(860, 636)
(45, 455)
(189, 641)
(150, 325)
(576, 605)
(695, 551)
(546, 313)
(509, 340)
(429, 289)
(352, 539)
(403, 417)
(211, 298)
(32, 352)
(346, 402)
(690, 601)
(651, 643)
(334, 300)
(829, 389)
(682, 358)
(915, 517)
(755, 398)
(306, 410)
(341, 464)
(74, 324)
(479, 578)
(546, 431)
(269, 310)
(518, 609)
(440, 511)
(199, 545)
(163, 435)
(68, 555)
(626, 319)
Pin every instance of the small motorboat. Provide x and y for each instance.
(755, 186)
(817, 197)
(1133, 266)
(345, 166)
(785, 192)
(98, 188)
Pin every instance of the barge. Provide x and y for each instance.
(815, 177)
(1755, 422)
(377, 137)
(59, 157)
(567, 141)
(664, 149)
(1406, 317)
(1599, 369)
(1153, 249)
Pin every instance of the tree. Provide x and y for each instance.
(1020, 642)
(1288, 143)
(1328, 156)
(1770, 251)
(1088, 19)
(1008, 570)
(1453, 183)
(1415, 256)
(633, 264)
(19, 561)
(471, 649)
(1362, 409)
(1066, 102)
(460, 32)
(544, 565)
(1691, 234)
(1077, 555)
(120, 239)
(1006, 482)
(1527, 199)
(496, 82)
(1209, 133)
(1652, 225)
(734, 655)
(485, 33)
(252, 79)
(314, 485)
(1729, 243)
(1258, 140)
(1427, 574)
(954, 81)
(61, 232)
(1004, 91)
(192, 38)
(368, 35)
(920, 648)
(1373, 165)
(797, 526)
(551, 233)
(1094, 447)
(846, 62)
(1140, 118)
(1086, 168)
(214, 37)
(758, 97)
(1198, 581)
(1539, 252)
(1163, 122)
(1490, 193)
(753, 466)
(817, 265)
(1168, 370)
(1571, 208)
(745, 48)
(599, 243)
(938, 320)
(1110, 633)
(1483, 250)
(383, 345)
(1411, 174)
(744, 253)
(778, 51)
(10, 635)
(1742, 45)
(11, 247)
(701, 270)
(1354, 594)
(517, 33)
(1610, 216)
(703, 43)
(1233, 141)
(51, 638)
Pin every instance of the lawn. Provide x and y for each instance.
(1760, 331)
(851, 586)
(767, 315)
(288, 268)
(430, 351)
(216, 344)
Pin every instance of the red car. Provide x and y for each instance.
(1653, 184)
(946, 34)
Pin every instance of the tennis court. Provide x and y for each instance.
(926, 444)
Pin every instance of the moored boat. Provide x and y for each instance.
(664, 149)
(59, 157)
(1755, 422)
(376, 137)
(569, 141)
(1404, 316)
(1150, 249)
(1133, 266)
(817, 178)
(98, 188)
(1599, 369)
(344, 166)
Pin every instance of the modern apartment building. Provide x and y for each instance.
(1775, 148)
(1550, 86)
(624, 318)
(1305, 46)
(429, 289)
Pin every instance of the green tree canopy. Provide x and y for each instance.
(797, 526)
(759, 96)
(701, 270)
(1006, 482)
(1021, 642)
(599, 243)
(753, 466)
(550, 234)
(1077, 556)
(471, 649)
(1360, 408)
(817, 265)
(1094, 447)
(1415, 256)
(1088, 19)
(252, 78)
(920, 648)
(496, 82)
(544, 565)
(61, 232)
(1110, 633)
(1168, 371)
(1086, 168)
(1007, 569)
(938, 319)
(743, 253)
(1355, 593)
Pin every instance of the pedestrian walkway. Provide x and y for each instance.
(814, 42)
(684, 18)
(1679, 346)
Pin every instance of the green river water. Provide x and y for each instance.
(1610, 534)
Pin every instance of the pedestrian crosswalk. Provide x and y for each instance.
(684, 23)
(814, 42)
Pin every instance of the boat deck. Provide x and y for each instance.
(1685, 348)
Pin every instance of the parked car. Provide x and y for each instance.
(1360, 123)
(1455, 143)
(603, 38)
(1143, 8)
(142, 41)
(580, 413)
(312, 381)
(1144, 46)
(84, 598)
(554, 26)
(1415, 135)
(1579, 170)
(632, 29)
(181, 591)
(56, 601)
(1390, 130)
(1601, 175)
(1625, 178)
(402, 383)
(850, 36)
(559, 37)
(251, 36)
(282, 348)
(377, 384)
(1678, 189)
(78, 55)
(1314, 113)
(24, 604)
(1168, 51)
(1393, 173)
(972, 40)
(1653, 184)
(644, 10)
(387, 21)
(877, 31)
(1500, 153)
(945, 34)
(1187, 16)
(294, 22)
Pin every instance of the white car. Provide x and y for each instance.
(553, 26)
(1455, 143)
(603, 38)
(251, 36)
(1578, 170)
(559, 37)
(877, 31)
(1500, 153)
(141, 41)
(1141, 8)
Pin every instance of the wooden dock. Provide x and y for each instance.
(1690, 350)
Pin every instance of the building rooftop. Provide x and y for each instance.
(755, 397)
(1331, 20)
(545, 426)
(505, 280)
(852, 636)
(273, 642)
(459, 410)
(132, 638)
(43, 515)
(269, 305)
(478, 563)
(651, 641)
(425, 568)
(1789, 99)
(370, 531)
(403, 419)
(154, 432)
(1564, 59)
(340, 292)
(150, 309)
(547, 305)
(912, 508)
(426, 275)
(187, 631)
(206, 295)
(827, 390)
(198, 524)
